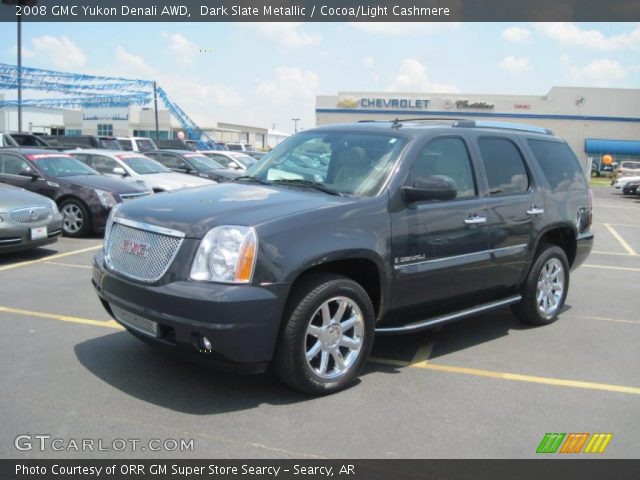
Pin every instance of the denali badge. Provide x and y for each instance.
(135, 248)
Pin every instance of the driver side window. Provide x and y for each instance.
(447, 157)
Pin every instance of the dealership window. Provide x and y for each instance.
(72, 131)
(105, 129)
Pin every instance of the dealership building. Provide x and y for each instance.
(595, 121)
(129, 121)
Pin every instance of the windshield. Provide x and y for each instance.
(202, 162)
(146, 145)
(245, 160)
(346, 162)
(110, 143)
(126, 144)
(61, 166)
(143, 165)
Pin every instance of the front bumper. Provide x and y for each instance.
(17, 236)
(241, 321)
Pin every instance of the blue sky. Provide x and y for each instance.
(265, 74)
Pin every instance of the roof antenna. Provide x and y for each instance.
(396, 123)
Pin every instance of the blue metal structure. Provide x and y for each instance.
(91, 91)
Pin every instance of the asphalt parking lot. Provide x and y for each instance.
(485, 387)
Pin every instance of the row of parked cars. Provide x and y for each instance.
(46, 191)
(628, 178)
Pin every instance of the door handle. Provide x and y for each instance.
(475, 220)
(533, 210)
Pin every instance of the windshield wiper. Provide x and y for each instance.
(252, 179)
(308, 183)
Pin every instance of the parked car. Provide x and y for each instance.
(27, 220)
(621, 182)
(22, 139)
(631, 187)
(177, 144)
(408, 226)
(82, 141)
(233, 160)
(136, 144)
(83, 196)
(137, 168)
(240, 147)
(628, 168)
(193, 163)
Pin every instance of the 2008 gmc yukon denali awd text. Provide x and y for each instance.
(347, 231)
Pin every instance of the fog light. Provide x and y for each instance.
(206, 343)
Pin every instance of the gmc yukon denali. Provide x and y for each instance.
(344, 232)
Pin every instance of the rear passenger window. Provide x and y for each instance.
(559, 164)
(503, 162)
(448, 157)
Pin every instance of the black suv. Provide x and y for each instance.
(346, 231)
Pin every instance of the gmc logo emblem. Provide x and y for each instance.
(134, 248)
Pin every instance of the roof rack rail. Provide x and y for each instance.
(522, 127)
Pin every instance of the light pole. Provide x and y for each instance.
(295, 124)
(29, 3)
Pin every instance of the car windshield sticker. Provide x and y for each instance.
(40, 156)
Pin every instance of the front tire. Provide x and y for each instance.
(77, 219)
(327, 336)
(545, 289)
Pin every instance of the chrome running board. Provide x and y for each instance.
(449, 317)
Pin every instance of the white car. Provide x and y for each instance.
(135, 167)
(622, 181)
(136, 144)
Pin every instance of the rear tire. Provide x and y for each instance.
(546, 287)
(327, 336)
(77, 219)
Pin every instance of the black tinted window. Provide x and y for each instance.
(448, 157)
(559, 165)
(503, 162)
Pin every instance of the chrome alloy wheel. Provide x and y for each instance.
(73, 218)
(550, 287)
(334, 337)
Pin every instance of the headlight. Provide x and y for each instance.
(106, 199)
(226, 254)
(54, 207)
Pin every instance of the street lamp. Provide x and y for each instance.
(29, 3)
(295, 124)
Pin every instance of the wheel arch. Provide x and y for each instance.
(562, 235)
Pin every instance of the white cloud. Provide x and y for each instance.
(599, 73)
(288, 35)
(412, 77)
(181, 48)
(131, 64)
(368, 61)
(404, 28)
(516, 35)
(516, 66)
(291, 85)
(60, 51)
(570, 34)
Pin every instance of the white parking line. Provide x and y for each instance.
(621, 240)
(69, 265)
(633, 225)
(46, 259)
(606, 267)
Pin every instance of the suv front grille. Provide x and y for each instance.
(140, 251)
(31, 214)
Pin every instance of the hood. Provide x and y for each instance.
(101, 182)
(13, 197)
(176, 180)
(196, 211)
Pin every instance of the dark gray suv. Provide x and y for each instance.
(347, 231)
